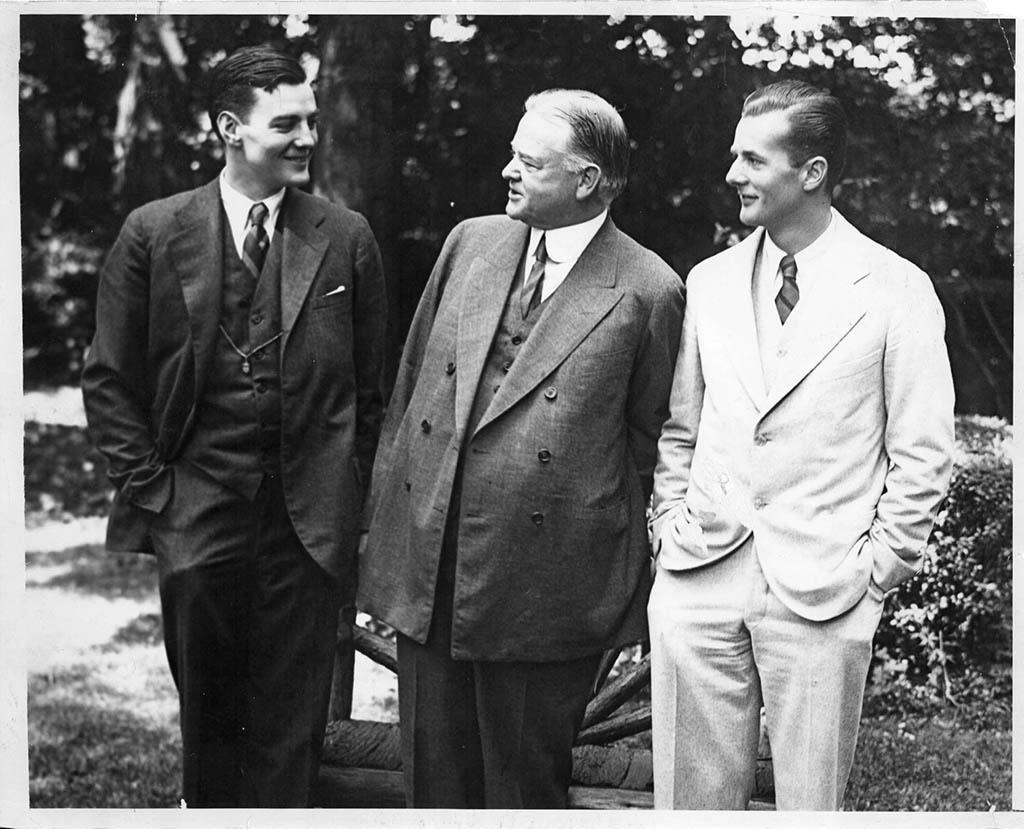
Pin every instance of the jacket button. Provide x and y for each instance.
(517, 339)
(261, 387)
(543, 456)
(507, 365)
(551, 392)
(257, 319)
(450, 368)
(425, 426)
(537, 518)
(760, 503)
(760, 440)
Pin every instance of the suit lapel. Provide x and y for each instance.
(581, 301)
(825, 316)
(489, 281)
(304, 247)
(195, 251)
(734, 320)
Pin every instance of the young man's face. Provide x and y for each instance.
(770, 188)
(541, 189)
(276, 139)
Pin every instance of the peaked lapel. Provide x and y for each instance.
(734, 315)
(826, 316)
(580, 303)
(488, 283)
(195, 251)
(304, 247)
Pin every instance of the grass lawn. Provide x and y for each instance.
(931, 764)
(102, 710)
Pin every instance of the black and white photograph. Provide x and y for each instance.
(509, 414)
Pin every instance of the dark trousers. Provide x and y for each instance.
(494, 735)
(250, 625)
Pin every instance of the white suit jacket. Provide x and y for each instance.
(839, 468)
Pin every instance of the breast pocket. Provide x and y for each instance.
(837, 368)
(336, 298)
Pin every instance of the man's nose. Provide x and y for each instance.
(734, 176)
(510, 170)
(307, 136)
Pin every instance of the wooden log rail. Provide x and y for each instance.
(362, 763)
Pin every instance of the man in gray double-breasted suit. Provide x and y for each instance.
(232, 385)
(507, 540)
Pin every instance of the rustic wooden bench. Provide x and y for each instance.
(612, 768)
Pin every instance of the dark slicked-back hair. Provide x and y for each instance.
(817, 122)
(232, 82)
(598, 134)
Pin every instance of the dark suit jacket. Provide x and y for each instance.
(157, 314)
(553, 557)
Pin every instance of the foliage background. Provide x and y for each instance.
(418, 112)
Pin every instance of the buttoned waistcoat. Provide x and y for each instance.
(157, 313)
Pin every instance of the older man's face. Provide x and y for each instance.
(542, 190)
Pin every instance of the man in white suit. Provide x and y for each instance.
(808, 448)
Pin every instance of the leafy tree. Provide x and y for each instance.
(418, 112)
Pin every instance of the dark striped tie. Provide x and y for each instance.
(529, 297)
(254, 248)
(789, 293)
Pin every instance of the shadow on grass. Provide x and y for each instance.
(90, 569)
(90, 747)
(145, 629)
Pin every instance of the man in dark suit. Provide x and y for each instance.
(232, 386)
(507, 541)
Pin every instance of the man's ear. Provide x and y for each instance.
(228, 123)
(589, 180)
(814, 173)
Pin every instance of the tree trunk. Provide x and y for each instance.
(356, 162)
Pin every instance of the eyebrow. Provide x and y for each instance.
(288, 119)
(525, 156)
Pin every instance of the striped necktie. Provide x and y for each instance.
(254, 248)
(789, 293)
(530, 295)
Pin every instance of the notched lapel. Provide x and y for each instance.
(304, 248)
(733, 318)
(489, 280)
(195, 251)
(586, 296)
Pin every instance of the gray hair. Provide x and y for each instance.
(597, 134)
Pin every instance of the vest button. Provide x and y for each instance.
(257, 319)
(551, 392)
(517, 339)
(506, 365)
(537, 518)
(261, 387)
(544, 456)
(425, 426)
(450, 368)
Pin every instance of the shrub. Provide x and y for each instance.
(946, 631)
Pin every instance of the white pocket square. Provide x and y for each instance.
(339, 290)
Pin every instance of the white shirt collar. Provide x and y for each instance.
(807, 260)
(237, 206)
(564, 245)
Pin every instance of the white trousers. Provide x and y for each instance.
(722, 644)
